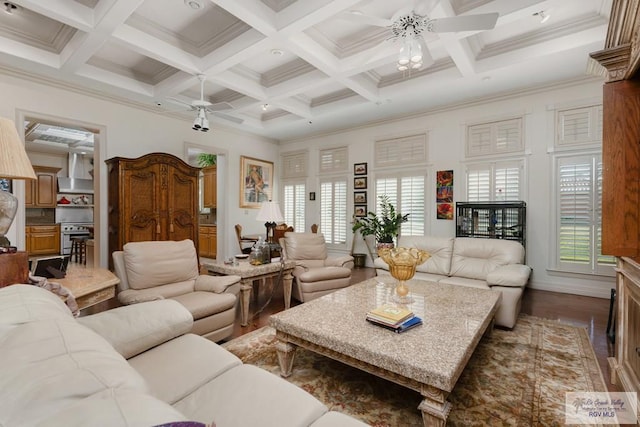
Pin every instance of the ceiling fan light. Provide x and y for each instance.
(416, 65)
(403, 67)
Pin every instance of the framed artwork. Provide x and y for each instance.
(444, 194)
(256, 182)
(360, 211)
(360, 183)
(312, 195)
(360, 197)
(360, 169)
(5, 185)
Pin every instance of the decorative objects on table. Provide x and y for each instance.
(402, 266)
(14, 164)
(256, 182)
(444, 194)
(395, 318)
(270, 213)
(384, 227)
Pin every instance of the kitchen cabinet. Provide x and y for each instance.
(43, 239)
(41, 192)
(208, 241)
(153, 197)
(210, 183)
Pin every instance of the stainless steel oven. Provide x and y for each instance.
(68, 230)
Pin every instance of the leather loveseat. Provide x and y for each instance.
(480, 263)
(135, 365)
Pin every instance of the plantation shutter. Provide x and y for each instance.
(412, 203)
(294, 205)
(333, 210)
(579, 125)
(408, 150)
(507, 181)
(294, 165)
(334, 160)
(495, 181)
(479, 184)
(499, 137)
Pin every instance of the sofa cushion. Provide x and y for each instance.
(249, 396)
(475, 258)
(203, 304)
(323, 273)
(154, 263)
(440, 249)
(464, 281)
(25, 303)
(305, 246)
(115, 408)
(509, 275)
(170, 380)
(48, 365)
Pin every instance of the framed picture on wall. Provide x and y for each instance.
(360, 183)
(360, 169)
(360, 197)
(360, 211)
(256, 182)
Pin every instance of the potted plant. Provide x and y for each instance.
(385, 228)
(206, 159)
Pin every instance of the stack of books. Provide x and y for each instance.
(394, 318)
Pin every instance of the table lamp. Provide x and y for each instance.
(270, 213)
(14, 164)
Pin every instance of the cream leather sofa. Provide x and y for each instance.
(169, 269)
(479, 263)
(133, 366)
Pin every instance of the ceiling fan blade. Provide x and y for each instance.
(181, 102)
(365, 19)
(424, 7)
(219, 106)
(485, 21)
(227, 117)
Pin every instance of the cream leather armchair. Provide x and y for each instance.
(169, 270)
(315, 273)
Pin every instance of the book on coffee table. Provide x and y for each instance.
(390, 315)
(404, 326)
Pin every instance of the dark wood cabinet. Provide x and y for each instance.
(153, 197)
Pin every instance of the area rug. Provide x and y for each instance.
(514, 378)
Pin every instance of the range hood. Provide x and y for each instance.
(76, 182)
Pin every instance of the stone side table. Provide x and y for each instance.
(248, 274)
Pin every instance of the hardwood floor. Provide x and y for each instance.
(588, 312)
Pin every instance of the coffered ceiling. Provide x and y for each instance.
(289, 68)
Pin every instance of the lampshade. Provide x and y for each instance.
(14, 164)
(270, 212)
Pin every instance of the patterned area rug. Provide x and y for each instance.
(514, 378)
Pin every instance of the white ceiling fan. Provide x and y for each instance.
(409, 25)
(202, 107)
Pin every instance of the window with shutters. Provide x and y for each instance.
(407, 193)
(294, 204)
(495, 181)
(578, 215)
(334, 160)
(499, 137)
(333, 210)
(579, 126)
(403, 151)
(294, 165)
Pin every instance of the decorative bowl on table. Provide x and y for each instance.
(402, 266)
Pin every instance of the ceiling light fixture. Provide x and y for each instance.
(408, 29)
(9, 8)
(264, 107)
(544, 17)
(193, 4)
(277, 52)
(201, 122)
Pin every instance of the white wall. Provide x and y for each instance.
(131, 132)
(446, 136)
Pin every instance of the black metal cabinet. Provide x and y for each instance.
(492, 220)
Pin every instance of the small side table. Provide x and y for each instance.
(248, 274)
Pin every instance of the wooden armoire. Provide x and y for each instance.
(153, 197)
(621, 183)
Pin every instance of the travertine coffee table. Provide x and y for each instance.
(428, 359)
(248, 274)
